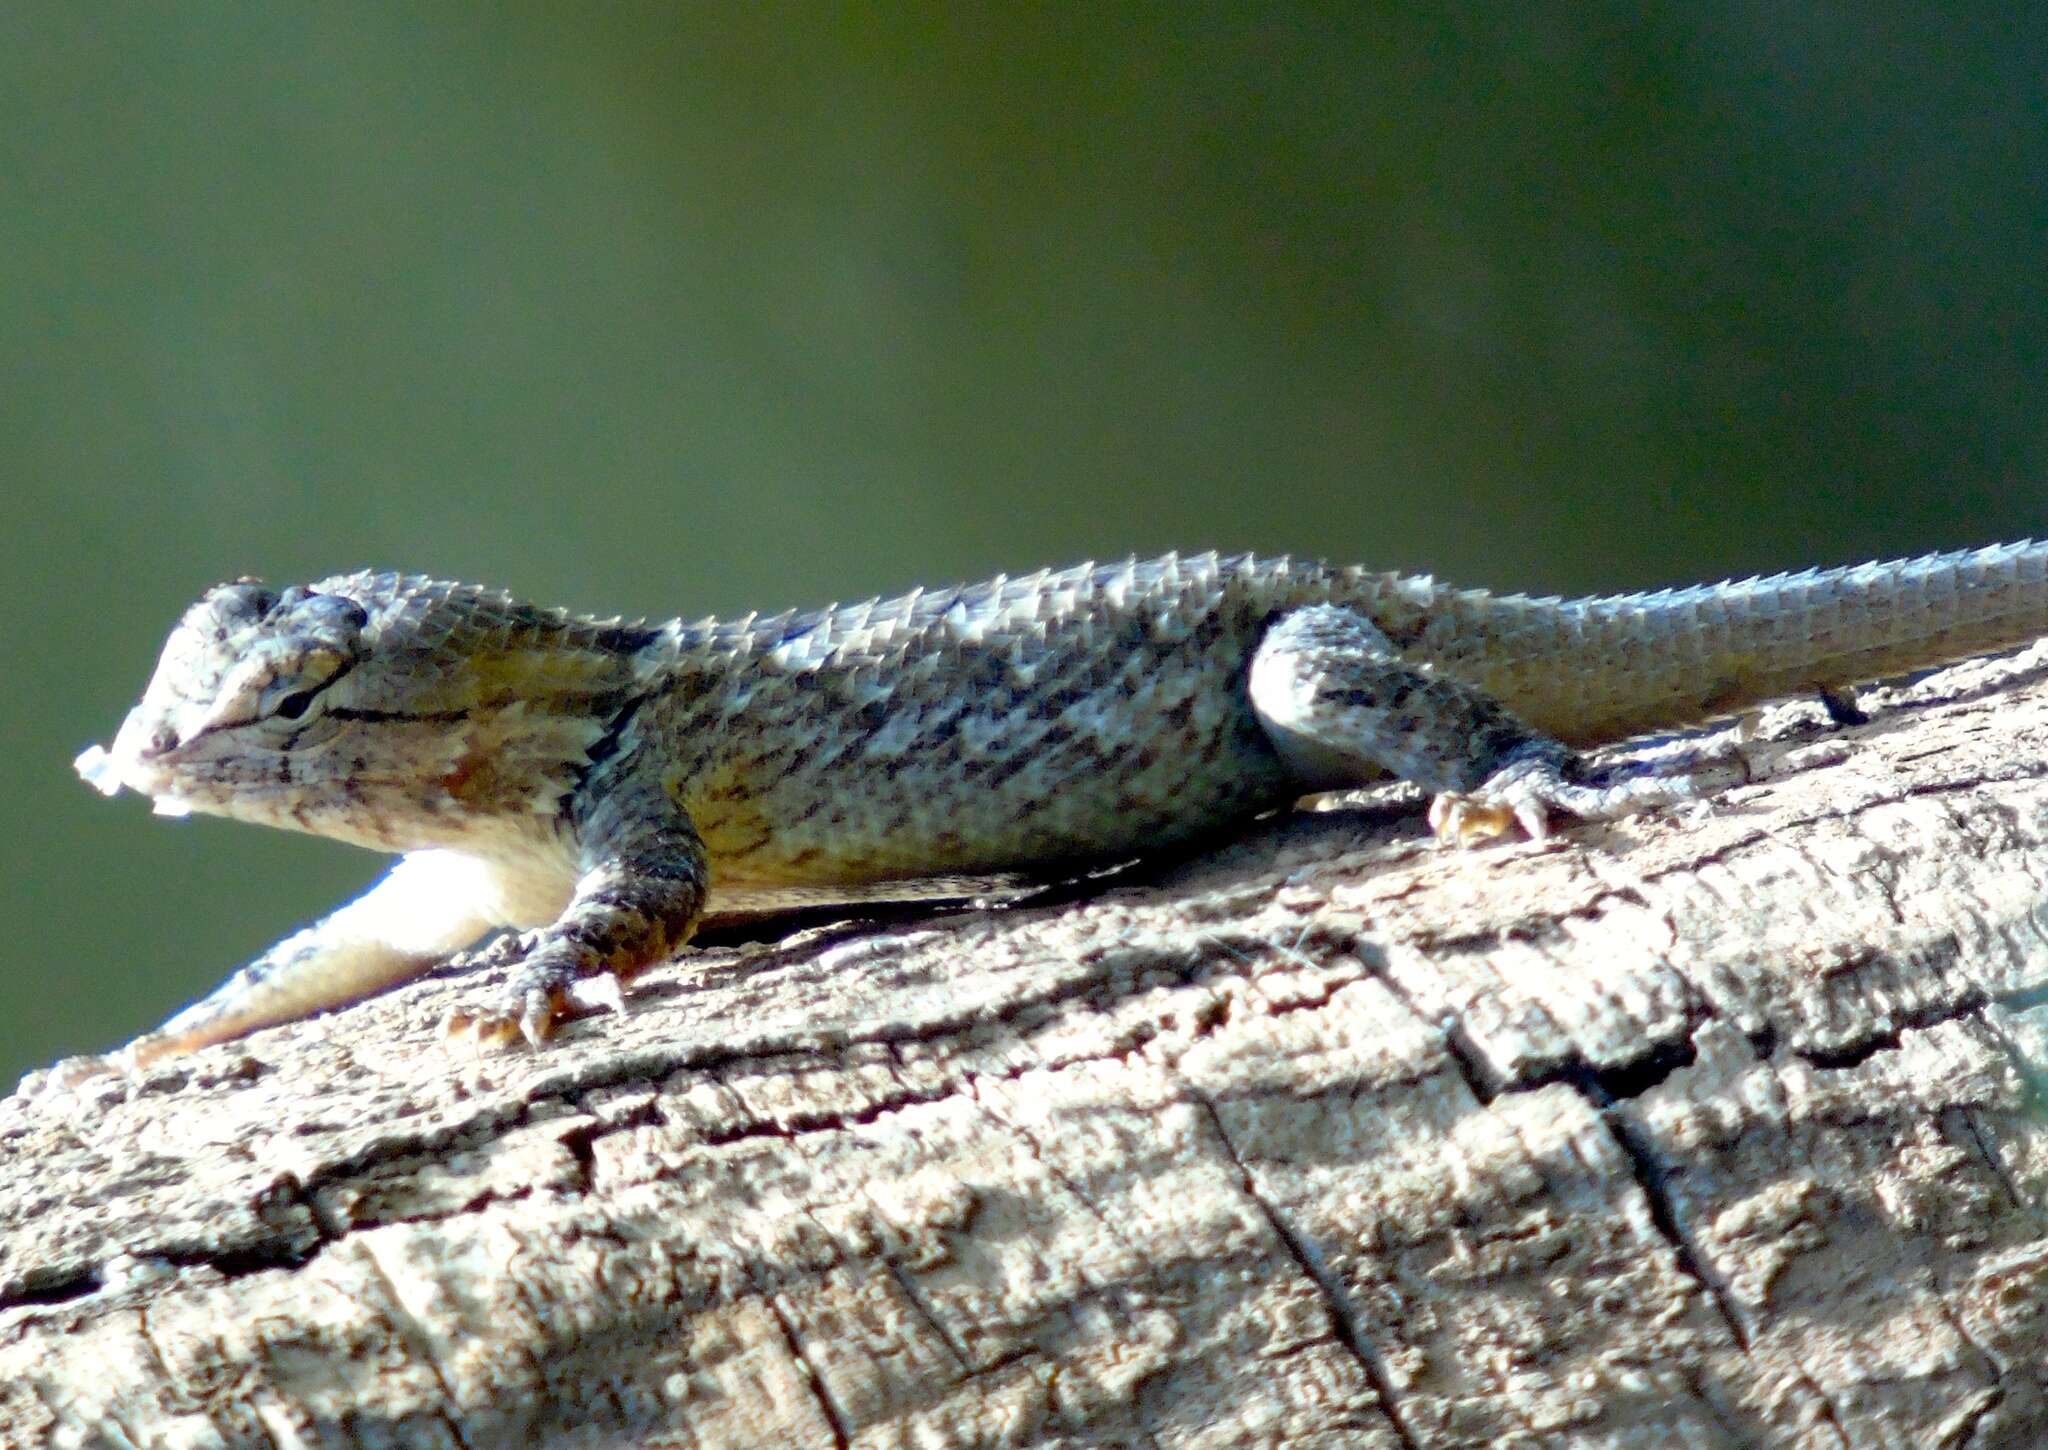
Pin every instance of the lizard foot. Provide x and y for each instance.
(1536, 783)
(534, 1017)
(67, 1076)
(542, 994)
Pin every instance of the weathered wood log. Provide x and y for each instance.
(1711, 1129)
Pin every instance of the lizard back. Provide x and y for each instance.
(1058, 716)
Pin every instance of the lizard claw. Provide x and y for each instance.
(1527, 790)
(539, 991)
(534, 1021)
(1467, 820)
(602, 990)
(1532, 816)
(537, 1018)
(483, 1029)
(532, 1014)
(1473, 820)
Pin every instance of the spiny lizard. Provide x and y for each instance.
(598, 782)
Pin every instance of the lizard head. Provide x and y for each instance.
(384, 709)
(245, 676)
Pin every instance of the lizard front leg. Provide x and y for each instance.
(429, 904)
(639, 897)
(1343, 706)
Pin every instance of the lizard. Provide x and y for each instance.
(592, 786)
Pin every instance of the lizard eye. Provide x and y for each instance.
(292, 706)
(299, 686)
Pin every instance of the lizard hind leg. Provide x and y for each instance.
(1343, 706)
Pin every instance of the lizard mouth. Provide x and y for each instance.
(99, 770)
(133, 762)
(107, 772)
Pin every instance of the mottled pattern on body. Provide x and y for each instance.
(598, 783)
(979, 728)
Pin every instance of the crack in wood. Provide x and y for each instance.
(1651, 1179)
(1309, 1259)
(414, 1335)
(830, 1411)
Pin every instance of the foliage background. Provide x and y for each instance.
(683, 308)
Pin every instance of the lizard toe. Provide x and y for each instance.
(481, 1029)
(537, 1017)
(1458, 819)
(1528, 790)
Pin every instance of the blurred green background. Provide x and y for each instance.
(674, 309)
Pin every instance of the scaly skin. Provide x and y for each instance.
(603, 782)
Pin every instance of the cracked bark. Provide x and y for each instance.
(1715, 1131)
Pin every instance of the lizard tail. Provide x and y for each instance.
(1621, 665)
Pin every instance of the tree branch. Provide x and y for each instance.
(1712, 1130)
